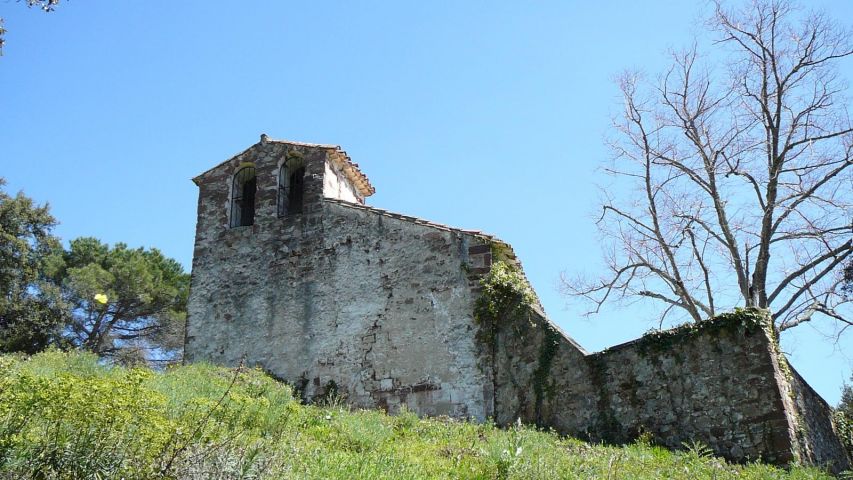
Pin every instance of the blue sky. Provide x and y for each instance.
(482, 115)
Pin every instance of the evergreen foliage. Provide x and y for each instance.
(31, 310)
(123, 301)
(116, 301)
(844, 418)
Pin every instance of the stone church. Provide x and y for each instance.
(292, 272)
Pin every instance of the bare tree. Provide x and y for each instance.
(740, 160)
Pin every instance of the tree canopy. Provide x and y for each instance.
(122, 299)
(121, 302)
(31, 311)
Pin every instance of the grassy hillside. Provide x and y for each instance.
(65, 416)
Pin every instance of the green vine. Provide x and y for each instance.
(743, 321)
(505, 295)
(543, 383)
(844, 427)
(507, 299)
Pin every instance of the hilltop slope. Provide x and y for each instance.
(66, 416)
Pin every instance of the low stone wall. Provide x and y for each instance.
(542, 377)
(817, 438)
(717, 383)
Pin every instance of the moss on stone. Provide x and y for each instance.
(742, 321)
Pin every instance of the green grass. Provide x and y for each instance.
(67, 416)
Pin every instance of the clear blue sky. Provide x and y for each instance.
(482, 115)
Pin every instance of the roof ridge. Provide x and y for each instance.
(412, 219)
(350, 168)
(353, 172)
(267, 139)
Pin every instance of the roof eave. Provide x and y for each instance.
(356, 176)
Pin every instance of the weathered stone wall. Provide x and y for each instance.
(375, 307)
(541, 376)
(717, 386)
(720, 384)
(818, 442)
(716, 383)
(379, 308)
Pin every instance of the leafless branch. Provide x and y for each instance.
(743, 174)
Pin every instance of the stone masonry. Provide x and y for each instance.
(379, 307)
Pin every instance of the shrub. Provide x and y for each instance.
(67, 416)
(56, 423)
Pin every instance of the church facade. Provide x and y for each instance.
(294, 273)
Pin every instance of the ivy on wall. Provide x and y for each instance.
(742, 321)
(506, 294)
(844, 427)
(508, 300)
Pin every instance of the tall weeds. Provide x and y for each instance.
(67, 416)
